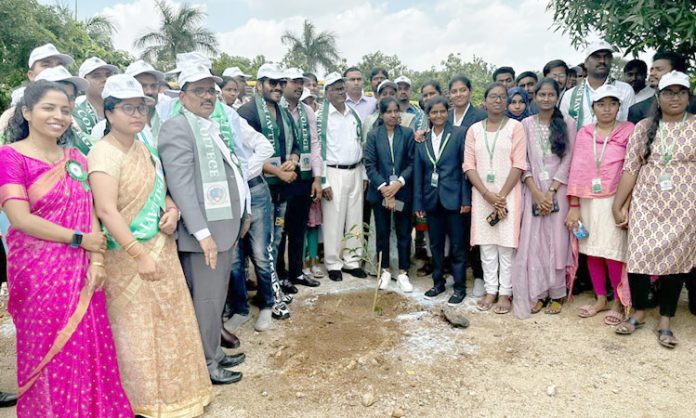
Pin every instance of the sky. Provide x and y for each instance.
(421, 32)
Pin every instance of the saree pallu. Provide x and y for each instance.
(66, 360)
(158, 343)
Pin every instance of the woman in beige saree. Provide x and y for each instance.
(158, 344)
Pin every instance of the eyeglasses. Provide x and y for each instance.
(495, 98)
(669, 94)
(337, 89)
(130, 109)
(200, 91)
(274, 83)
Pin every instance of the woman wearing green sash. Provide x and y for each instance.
(156, 333)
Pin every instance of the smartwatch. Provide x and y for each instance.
(76, 239)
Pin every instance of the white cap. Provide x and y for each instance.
(59, 73)
(124, 86)
(607, 90)
(48, 50)
(332, 78)
(188, 59)
(402, 79)
(270, 70)
(17, 95)
(94, 63)
(294, 73)
(306, 93)
(141, 67)
(194, 73)
(387, 83)
(673, 78)
(598, 46)
(234, 72)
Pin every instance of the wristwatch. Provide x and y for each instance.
(553, 189)
(76, 239)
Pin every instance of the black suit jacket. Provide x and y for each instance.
(378, 162)
(642, 110)
(453, 188)
(473, 115)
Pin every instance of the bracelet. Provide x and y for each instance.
(130, 245)
(142, 250)
(97, 263)
(574, 206)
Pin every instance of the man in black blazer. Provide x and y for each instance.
(382, 173)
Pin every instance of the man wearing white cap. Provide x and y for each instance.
(309, 98)
(356, 98)
(403, 95)
(340, 133)
(577, 102)
(205, 179)
(91, 110)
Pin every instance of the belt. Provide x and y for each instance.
(255, 181)
(343, 166)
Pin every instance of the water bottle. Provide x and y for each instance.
(580, 231)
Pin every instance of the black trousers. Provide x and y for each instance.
(668, 296)
(3, 264)
(402, 224)
(474, 258)
(442, 223)
(296, 215)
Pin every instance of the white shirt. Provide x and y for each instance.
(343, 146)
(458, 122)
(645, 94)
(256, 149)
(627, 98)
(436, 140)
(401, 179)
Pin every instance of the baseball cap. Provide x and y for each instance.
(386, 83)
(59, 73)
(673, 78)
(124, 86)
(294, 73)
(188, 59)
(194, 73)
(141, 67)
(598, 46)
(269, 70)
(306, 93)
(607, 90)
(48, 50)
(17, 95)
(95, 63)
(234, 72)
(332, 78)
(402, 79)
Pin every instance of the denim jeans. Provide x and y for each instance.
(279, 204)
(256, 244)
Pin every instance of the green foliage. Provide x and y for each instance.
(633, 26)
(310, 50)
(27, 24)
(248, 66)
(377, 59)
(180, 31)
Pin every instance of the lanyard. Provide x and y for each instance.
(598, 162)
(664, 149)
(544, 144)
(491, 148)
(442, 148)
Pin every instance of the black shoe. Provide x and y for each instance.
(227, 312)
(280, 311)
(357, 272)
(304, 280)
(288, 287)
(691, 290)
(231, 360)
(335, 275)
(457, 297)
(7, 399)
(224, 377)
(426, 270)
(435, 290)
(229, 340)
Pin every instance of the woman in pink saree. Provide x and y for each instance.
(66, 361)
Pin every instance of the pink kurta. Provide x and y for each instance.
(510, 152)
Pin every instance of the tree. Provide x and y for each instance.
(180, 31)
(377, 59)
(633, 26)
(248, 66)
(101, 29)
(311, 50)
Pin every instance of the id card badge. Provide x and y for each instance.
(305, 162)
(393, 178)
(490, 177)
(434, 179)
(597, 185)
(274, 161)
(666, 182)
(544, 175)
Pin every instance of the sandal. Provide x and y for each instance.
(484, 304)
(588, 311)
(613, 318)
(662, 333)
(554, 308)
(503, 309)
(628, 326)
(539, 306)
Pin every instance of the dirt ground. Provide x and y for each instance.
(335, 358)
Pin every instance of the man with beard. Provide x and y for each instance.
(635, 72)
(577, 102)
(403, 96)
(265, 115)
(505, 76)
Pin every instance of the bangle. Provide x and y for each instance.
(130, 245)
(553, 189)
(131, 248)
(574, 206)
(97, 263)
(142, 250)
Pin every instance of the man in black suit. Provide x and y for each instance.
(663, 62)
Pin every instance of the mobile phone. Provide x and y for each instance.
(493, 218)
(536, 211)
(398, 205)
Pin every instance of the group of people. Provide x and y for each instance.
(134, 209)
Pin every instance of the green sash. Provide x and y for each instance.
(216, 196)
(146, 223)
(219, 116)
(323, 121)
(81, 140)
(576, 109)
(271, 130)
(85, 116)
(303, 133)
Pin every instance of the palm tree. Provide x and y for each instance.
(101, 29)
(310, 49)
(180, 31)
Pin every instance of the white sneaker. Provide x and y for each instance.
(404, 283)
(263, 322)
(479, 288)
(306, 271)
(384, 280)
(317, 272)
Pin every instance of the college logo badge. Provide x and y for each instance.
(216, 194)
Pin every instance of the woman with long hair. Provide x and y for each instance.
(66, 360)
